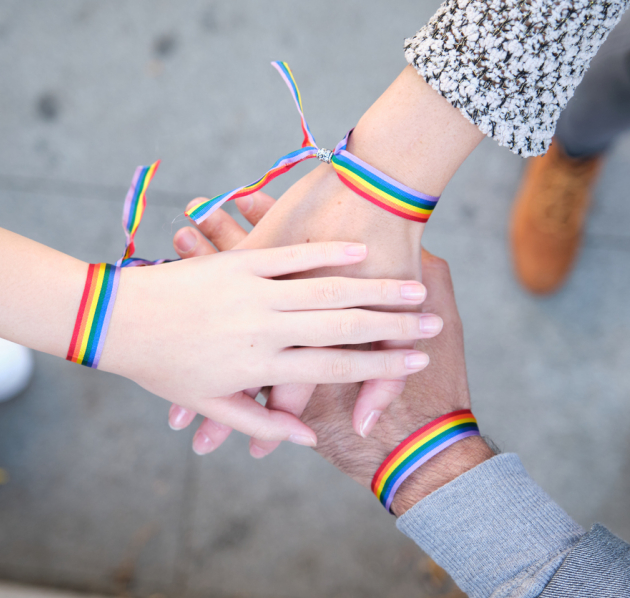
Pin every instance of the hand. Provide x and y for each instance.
(225, 232)
(414, 135)
(440, 389)
(197, 332)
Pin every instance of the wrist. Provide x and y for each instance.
(119, 349)
(414, 135)
(439, 471)
(319, 207)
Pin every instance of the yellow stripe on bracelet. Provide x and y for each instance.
(360, 177)
(418, 448)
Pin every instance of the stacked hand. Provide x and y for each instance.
(440, 389)
(421, 149)
(292, 398)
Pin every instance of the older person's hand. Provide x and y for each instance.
(440, 389)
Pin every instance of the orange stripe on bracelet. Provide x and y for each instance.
(418, 448)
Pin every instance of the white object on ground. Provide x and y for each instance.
(8, 590)
(16, 369)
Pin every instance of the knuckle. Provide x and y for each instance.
(342, 368)
(260, 432)
(326, 250)
(384, 290)
(349, 327)
(329, 291)
(404, 325)
(294, 252)
(391, 365)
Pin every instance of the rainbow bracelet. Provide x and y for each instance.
(101, 285)
(418, 448)
(363, 179)
(94, 314)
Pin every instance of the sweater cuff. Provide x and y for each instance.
(494, 530)
(511, 66)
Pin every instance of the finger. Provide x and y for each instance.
(333, 366)
(220, 228)
(244, 414)
(255, 206)
(291, 398)
(335, 292)
(376, 395)
(307, 256)
(209, 436)
(189, 242)
(437, 278)
(180, 417)
(354, 326)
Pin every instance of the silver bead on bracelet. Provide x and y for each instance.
(325, 155)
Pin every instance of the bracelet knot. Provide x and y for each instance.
(325, 155)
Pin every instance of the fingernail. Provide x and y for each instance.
(302, 440)
(257, 452)
(185, 240)
(368, 423)
(416, 361)
(355, 249)
(245, 204)
(415, 292)
(177, 417)
(430, 324)
(202, 445)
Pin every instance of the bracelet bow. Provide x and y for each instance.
(363, 179)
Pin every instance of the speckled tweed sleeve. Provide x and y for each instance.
(511, 66)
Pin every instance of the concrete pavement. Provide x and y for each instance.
(100, 495)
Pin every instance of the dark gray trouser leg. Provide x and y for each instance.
(600, 109)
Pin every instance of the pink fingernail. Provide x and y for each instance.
(430, 324)
(369, 422)
(415, 292)
(185, 240)
(416, 361)
(245, 204)
(178, 418)
(257, 452)
(303, 440)
(202, 445)
(355, 249)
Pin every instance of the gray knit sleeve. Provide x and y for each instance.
(494, 530)
(511, 66)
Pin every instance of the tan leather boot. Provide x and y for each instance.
(548, 217)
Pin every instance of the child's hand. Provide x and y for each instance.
(199, 331)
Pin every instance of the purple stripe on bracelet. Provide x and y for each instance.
(424, 459)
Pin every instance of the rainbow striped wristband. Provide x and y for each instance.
(418, 448)
(95, 312)
(357, 175)
(101, 285)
